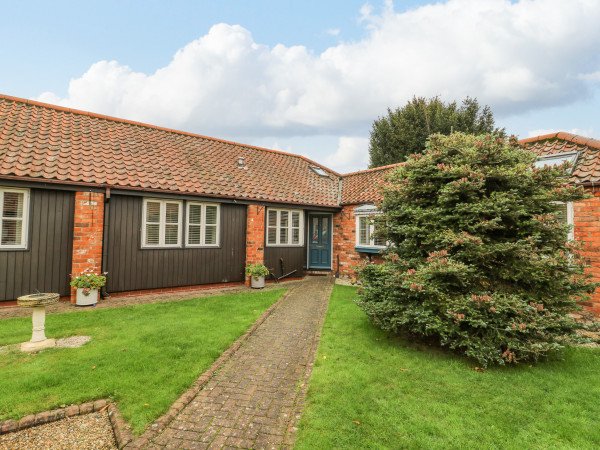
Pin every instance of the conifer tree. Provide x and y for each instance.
(477, 257)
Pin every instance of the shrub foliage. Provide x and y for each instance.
(477, 257)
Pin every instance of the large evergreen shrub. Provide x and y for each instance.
(477, 257)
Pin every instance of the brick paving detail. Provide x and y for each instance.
(256, 398)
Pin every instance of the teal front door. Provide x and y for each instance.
(319, 241)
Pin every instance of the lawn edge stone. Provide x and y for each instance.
(52, 415)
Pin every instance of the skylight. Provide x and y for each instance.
(557, 160)
(319, 171)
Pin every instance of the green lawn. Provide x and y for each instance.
(143, 357)
(440, 401)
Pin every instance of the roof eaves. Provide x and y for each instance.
(162, 191)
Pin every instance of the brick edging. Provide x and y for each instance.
(53, 415)
(292, 428)
(122, 431)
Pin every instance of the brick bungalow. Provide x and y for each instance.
(163, 210)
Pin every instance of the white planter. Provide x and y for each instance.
(87, 300)
(257, 282)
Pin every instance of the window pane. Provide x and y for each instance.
(153, 212)
(172, 213)
(195, 214)
(363, 231)
(11, 232)
(295, 219)
(13, 204)
(272, 218)
(283, 219)
(211, 215)
(272, 236)
(283, 235)
(152, 234)
(561, 213)
(379, 241)
(315, 230)
(194, 233)
(171, 234)
(210, 235)
(325, 230)
(295, 236)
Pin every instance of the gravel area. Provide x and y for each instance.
(90, 431)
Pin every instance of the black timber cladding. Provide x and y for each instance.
(132, 268)
(46, 263)
(293, 259)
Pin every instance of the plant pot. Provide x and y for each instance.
(257, 282)
(87, 300)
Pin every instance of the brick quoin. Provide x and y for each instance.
(344, 241)
(586, 221)
(87, 234)
(255, 236)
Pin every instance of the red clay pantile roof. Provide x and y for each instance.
(587, 167)
(364, 186)
(48, 143)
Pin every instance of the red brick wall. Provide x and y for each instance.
(87, 233)
(344, 241)
(586, 218)
(255, 236)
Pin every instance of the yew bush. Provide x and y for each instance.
(477, 257)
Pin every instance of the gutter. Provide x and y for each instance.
(103, 291)
(587, 184)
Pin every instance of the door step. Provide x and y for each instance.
(318, 272)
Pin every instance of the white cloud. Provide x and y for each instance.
(593, 76)
(280, 148)
(541, 132)
(333, 31)
(514, 56)
(351, 155)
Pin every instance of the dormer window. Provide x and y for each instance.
(557, 160)
(319, 171)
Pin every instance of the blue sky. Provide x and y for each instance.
(307, 77)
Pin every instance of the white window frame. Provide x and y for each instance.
(367, 211)
(203, 225)
(24, 219)
(163, 213)
(289, 228)
(371, 231)
(570, 220)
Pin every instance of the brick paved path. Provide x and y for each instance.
(256, 398)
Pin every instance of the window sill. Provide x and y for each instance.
(368, 249)
(161, 247)
(285, 245)
(13, 249)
